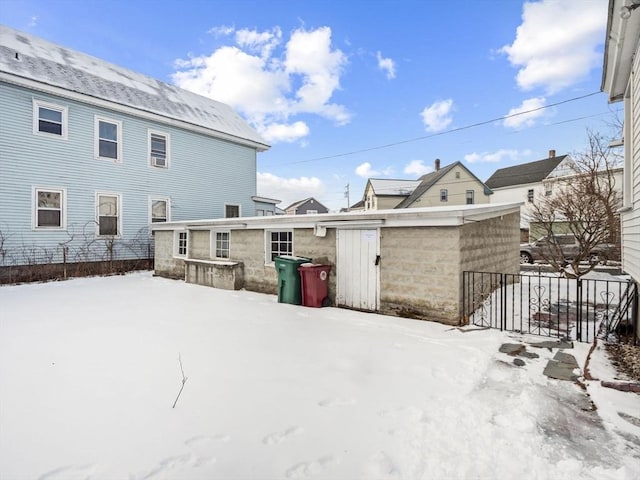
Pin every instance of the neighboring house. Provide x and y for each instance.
(407, 262)
(92, 154)
(528, 181)
(308, 206)
(450, 185)
(621, 82)
(385, 193)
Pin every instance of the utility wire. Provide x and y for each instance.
(445, 132)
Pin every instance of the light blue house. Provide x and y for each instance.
(91, 154)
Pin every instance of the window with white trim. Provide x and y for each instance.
(260, 212)
(181, 242)
(49, 119)
(158, 149)
(469, 196)
(312, 212)
(444, 195)
(221, 244)
(278, 242)
(108, 214)
(231, 211)
(158, 210)
(108, 141)
(49, 208)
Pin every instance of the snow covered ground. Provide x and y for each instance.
(89, 371)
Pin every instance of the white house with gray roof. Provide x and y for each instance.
(91, 154)
(528, 181)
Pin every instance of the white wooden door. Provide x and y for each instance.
(357, 269)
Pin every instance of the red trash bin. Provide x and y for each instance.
(315, 281)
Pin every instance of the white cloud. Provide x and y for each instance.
(222, 30)
(498, 156)
(280, 132)
(269, 82)
(525, 119)
(364, 170)
(386, 65)
(553, 52)
(437, 116)
(288, 190)
(417, 168)
(34, 21)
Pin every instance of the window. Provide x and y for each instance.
(469, 197)
(312, 212)
(159, 210)
(269, 213)
(49, 208)
(444, 195)
(457, 174)
(222, 245)
(181, 243)
(260, 212)
(530, 195)
(158, 149)
(279, 243)
(548, 189)
(108, 214)
(49, 119)
(231, 211)
(108, 139)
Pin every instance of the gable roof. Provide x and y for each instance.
(430, 179)
(299, 203)
(532, 172)
(390, 187)
(35, 63)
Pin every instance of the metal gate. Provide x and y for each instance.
(545, 304)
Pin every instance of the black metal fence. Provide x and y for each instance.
(548, 305)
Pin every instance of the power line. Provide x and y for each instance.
(444, 132)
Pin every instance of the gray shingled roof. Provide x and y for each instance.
(24, 58)
(532, 172)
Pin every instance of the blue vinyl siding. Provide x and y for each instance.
(204, 172)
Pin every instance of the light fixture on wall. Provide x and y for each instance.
(625, 12)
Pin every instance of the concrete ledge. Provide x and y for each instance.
(214, 273)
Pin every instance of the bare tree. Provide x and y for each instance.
(584, 201)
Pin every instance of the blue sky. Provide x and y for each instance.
(348, 90)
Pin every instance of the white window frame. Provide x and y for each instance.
(312, 212)
(214, 244)
(233, 205)
(63, 208)
(167, 138)
(470, 195)
(96, 140)
(167, 200)
(530, 195)
(119, 216)
(176, 243)
(267, 244)
(444, 195)
(37, 104)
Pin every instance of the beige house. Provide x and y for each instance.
(450, 185)
(406, 262)
(621, 82)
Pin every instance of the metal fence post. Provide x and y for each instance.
(579, 307)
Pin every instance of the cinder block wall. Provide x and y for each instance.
(165, 264)
(247, 246)
(200, 244)
(419, 273)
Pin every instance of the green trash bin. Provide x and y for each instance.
(289, 290)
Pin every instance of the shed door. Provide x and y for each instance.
(357, 272)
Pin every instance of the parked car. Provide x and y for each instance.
(544, 248)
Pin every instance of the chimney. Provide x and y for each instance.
(552, 153)
(437, 162)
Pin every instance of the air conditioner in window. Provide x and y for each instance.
(158, 161)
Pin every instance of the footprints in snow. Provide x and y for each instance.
(279, 437)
